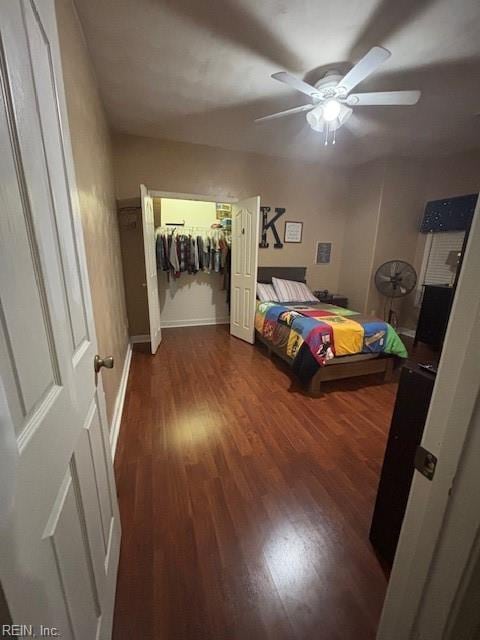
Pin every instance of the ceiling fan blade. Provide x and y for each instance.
(295, 83)
(364, 67)
(385, 98)
(287, 112)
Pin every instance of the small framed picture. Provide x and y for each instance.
(293, 231)
(323, 252)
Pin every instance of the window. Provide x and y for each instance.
(435, 269)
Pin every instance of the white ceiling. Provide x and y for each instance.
(198, 71)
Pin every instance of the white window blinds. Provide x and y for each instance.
(434, 269)
(437, 271)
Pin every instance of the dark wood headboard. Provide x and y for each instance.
(265, 274)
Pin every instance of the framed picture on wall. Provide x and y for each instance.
(293, 231)
(323, 252)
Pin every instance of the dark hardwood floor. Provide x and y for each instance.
(245, 504)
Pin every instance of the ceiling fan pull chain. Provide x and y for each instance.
(334, 135)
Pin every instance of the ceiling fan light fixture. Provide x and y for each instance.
(315, 119)
(331, 100)
(331, 110)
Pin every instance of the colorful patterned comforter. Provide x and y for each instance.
(311, 334)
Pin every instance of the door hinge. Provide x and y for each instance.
(425, 462)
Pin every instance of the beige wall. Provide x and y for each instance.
(363, 211)
(401, 209)
(310, 194)
(371, 212)
(454, 175)
(94, 174)
(192, 212)
(386, 205)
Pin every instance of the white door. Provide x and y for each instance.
(439, 541)
(59, 521)
(245, 221)
(151, 268)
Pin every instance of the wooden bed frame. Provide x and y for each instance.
(381, 364)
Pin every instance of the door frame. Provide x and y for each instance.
(151, 274)
(420, 553)
(176, 195)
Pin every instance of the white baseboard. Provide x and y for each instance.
(196, 322)
(118, 410)
(406, 332)
(141, 338)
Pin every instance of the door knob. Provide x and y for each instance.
(99, 362)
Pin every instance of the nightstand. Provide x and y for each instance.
(332, 298)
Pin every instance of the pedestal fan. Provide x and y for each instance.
(395, 279)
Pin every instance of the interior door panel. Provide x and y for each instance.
(58, 512)
(245, 227)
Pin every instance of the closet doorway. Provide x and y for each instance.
(201, 257)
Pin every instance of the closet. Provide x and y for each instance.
(193, 251)
(200, 262)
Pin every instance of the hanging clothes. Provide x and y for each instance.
(206, 254)
(194, 256)
(173, 256)
(200, 252)
(160, 251)
(182, 252)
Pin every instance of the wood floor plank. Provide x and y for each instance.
(246, 504)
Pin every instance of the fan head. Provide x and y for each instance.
(331, 98)
(317, 117)
(395, 278)
(328, 111)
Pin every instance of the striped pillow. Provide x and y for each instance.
(292, 291)
(266, 293)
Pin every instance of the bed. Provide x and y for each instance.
(322, 342)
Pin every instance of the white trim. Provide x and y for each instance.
(406, 332)
(148, 226)
(144, 337)
(118, 410)
(190, 196)
(407, 611)
(195, 322)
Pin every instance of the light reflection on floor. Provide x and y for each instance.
(295, 559)
(194, 428)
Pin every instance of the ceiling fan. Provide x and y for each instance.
(332, 102)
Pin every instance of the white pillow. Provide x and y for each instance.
(292, 291)
(266, 292)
